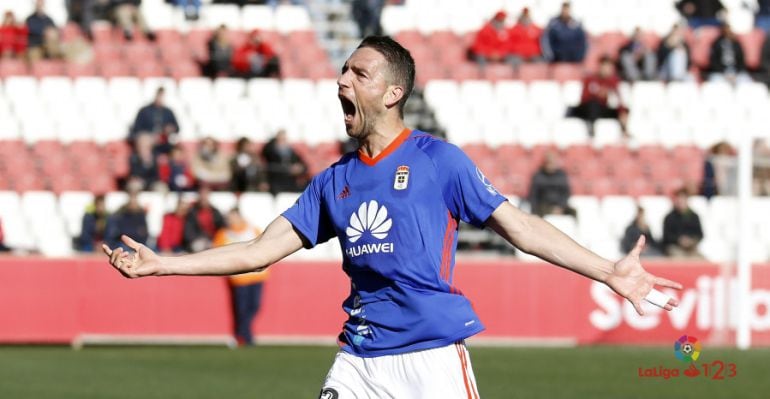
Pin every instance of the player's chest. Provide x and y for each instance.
(366, 198)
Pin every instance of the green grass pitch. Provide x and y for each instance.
(297, 372)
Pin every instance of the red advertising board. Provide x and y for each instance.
(44, 300)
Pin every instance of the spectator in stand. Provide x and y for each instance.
(201, 223)
(549, 189)
(128, 13)
(564, 39)
(701, 12)
(256, 58)
(682, 229)
(143, 164)
(39, 34)
(175, 172)
(158, 120)
(727, 61)
(247, 169)
(720, 171)
(13, 37)
(130, 220)
(210, 167)
(93, 226)
(192, 8)
(220, 54)
(286, 171)
(636, 60)
(595, 99)
(492, 42)
(246, 288)
(367, 13)
(761, 152)
(3, 248)
(762, 15)
(171, 237)
(524, 39)
(637, 228)
(674, 56)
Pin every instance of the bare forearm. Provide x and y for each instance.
(278, 241)
(535, 236)
(225, 260)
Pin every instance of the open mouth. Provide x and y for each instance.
(348, 108)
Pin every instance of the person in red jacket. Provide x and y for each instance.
(492, 43)
(256, 58)
(595, 100)
(13, 37)
(524, 38)
(171, 237)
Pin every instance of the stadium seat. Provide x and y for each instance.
(257, 17)
(289, 18)
(617, 213)
(257, 208)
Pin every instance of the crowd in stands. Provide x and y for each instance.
(563, 40)
(159, 163)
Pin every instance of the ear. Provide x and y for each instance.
(393, 95)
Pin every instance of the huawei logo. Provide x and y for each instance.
(370, 217)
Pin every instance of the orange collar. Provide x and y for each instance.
(389, 149)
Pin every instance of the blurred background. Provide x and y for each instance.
(186, 123)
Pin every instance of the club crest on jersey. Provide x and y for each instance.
(402, 178)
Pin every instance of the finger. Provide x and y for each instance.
(638, 247)
(667, 283)
(106, 249)
(638, 307)
(115, 255)
(130, 242)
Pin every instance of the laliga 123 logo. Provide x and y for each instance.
(688, 349)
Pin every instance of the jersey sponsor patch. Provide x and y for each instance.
(370, 217)
(402, 178)
(329, 393)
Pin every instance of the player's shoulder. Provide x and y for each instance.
(438, 150)
(341, 164)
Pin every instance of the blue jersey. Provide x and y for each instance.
(396, 218)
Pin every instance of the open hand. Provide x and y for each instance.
(142, 262)
(631, 281)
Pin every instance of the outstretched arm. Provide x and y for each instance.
(535, 236)
(278, 241)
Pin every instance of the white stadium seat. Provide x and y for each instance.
(72, 205)
(257, 17)
(288, 18)
(257, 208)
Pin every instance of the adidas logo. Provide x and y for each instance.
(370, 217)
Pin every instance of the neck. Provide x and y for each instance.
(381, 136)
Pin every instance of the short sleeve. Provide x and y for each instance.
(468, 194)
(309, 215)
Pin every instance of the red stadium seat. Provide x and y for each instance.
(45, 68)
(464, 71)
(626, 169)
(429, 71)
(74, 70)
(566, 71)
(651, 153)
(530, 72)
(700, 45)
(184, 69)
(65, 182)
(610, 42)
(602, 187)
(636, 187)
(149, 69)
(11, 67)
(443, 39)
(495, 72)
(752, 47)
(409, 38)
(112, 69)
(167, 36)
(614, 153)
(140, 51)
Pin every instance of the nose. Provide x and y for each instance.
(343, 81)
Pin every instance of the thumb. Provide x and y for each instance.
(130, 242)
(638, 247)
